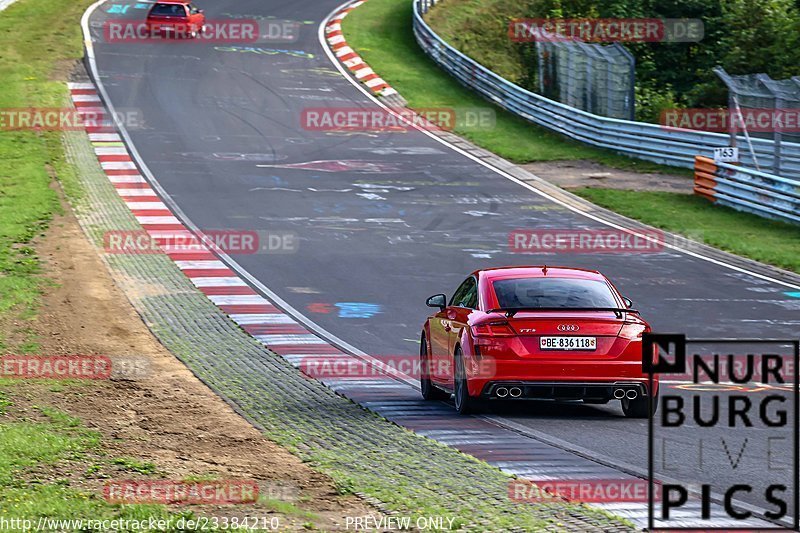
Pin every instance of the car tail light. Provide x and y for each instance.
(632, 330)
(493, 329)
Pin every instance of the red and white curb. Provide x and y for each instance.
(349, 58)
(252, 312)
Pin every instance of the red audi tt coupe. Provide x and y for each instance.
(535, 332)
(177, 18)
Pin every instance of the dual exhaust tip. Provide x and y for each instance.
(630, 394)
(514, 392)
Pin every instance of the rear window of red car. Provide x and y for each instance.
(169, 10)
(564, 293)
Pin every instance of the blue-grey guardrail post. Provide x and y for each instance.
(551, 66)
(540, 63)
(607, 61)
(720, 72)
(777, 136)
(589, 69)
(570, 78)
(631, 97)
(778, 139)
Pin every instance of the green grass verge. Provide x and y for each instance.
(27, 446)
(381, 32)
(479, 29)
(39, 42)
(769, 241)
(37, 38)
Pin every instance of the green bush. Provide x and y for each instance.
(651, 101)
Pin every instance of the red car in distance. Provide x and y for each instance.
(535, 332)
(176, 19)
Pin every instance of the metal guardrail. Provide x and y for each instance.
(652, 142)
(747, 190)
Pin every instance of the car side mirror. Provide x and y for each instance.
(437, 300)
(628, 302)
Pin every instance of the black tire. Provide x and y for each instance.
(426, 386)
(465, 404)
(639, 408)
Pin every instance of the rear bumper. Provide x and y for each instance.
(564, 390)
(548, 378)
(157, 27)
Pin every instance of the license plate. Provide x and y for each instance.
(568, 343)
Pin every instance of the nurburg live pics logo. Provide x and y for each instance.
(773, 412)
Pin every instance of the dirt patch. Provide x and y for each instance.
(581, 173)
(167, 417)
(62, 69)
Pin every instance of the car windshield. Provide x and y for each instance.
(553, 292)
(170, 10)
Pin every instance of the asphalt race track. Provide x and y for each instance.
(383, 219)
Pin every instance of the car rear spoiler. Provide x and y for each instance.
(511, 311)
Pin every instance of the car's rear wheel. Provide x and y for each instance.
(426, 386)
(465, 404)
(639, 407)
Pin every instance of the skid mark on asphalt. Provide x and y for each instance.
(265, 51)
(340, 165)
